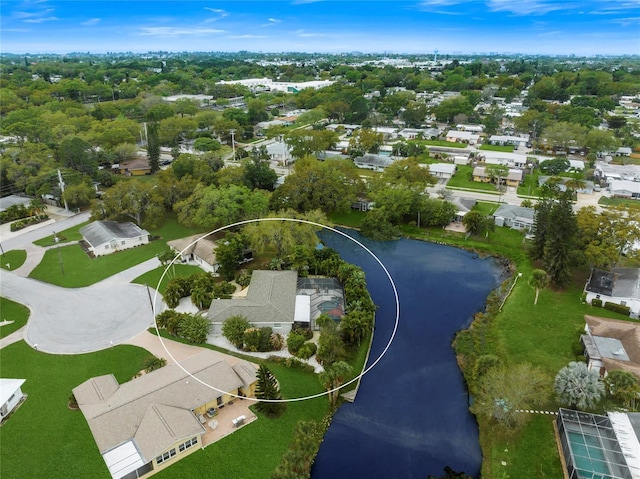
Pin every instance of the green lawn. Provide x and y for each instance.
(463, 179)
(152, 278)
(69, 266)
(44, 438)
(505, 148)
(530, 185)
(12, 311)
(606, 201)
(352, 218)
(70, 234)
(452, 144)
(13, 259)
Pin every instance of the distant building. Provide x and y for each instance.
(515, 217)
(442, 170)
(456, 136)
(135, 167)
(373, 162)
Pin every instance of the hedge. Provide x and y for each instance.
(618, 308)
(596, 302)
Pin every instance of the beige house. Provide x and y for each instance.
(197, 249)
(146, 424)
(514, 177)
(611, 344)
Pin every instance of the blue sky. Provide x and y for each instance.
(581, 27)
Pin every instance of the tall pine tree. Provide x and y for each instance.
(267, 388)
(560, 239)
(153, 146)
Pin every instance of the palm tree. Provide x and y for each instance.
(539, 279)
(333, 377)
(576, 182)
(578, 387)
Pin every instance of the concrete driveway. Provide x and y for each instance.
(81, 320)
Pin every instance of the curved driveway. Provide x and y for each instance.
(80, 320)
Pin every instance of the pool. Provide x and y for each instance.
(588, 456)
(333, 308)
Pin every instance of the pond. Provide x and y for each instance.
(411, 418)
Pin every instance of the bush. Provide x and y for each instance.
(223, 290)
(618, 308)
(257, 339)
(307, 350)
(243, 278)
(14, 212)
(294, 341)
(596, 302)
(20, 224)
(233, 329)
(306, 333)
(277, 341)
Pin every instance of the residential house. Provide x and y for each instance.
(625, 189)
(280, 152)
(513, 179)
(12, 200)
(597, 446)
(148, 423)
(270, 302)
(611, 344)
(442, 170)
(515, 141)
(135, 167)
(608, 172)
(414, 133)
(11, 396)
(388, 133)
(471, 128)
(463, 205)
(620, 286)
(624, 151)
(105, 237)
(456, 136)
(515, 217)
(197, 249)
(562, 185)
(373, 162)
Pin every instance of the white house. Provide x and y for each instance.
(106, 237)
(10, 396)
(516, 141)
(515, 217)
(620, 286)
(462, 137)
(196, 249)
(373, 162)
(625, 189)
(442, 170)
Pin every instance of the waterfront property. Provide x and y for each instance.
(595, 446)
(11, 396)
(620, 286)
(146, 424)
(106, 237)
(515, 217)
(611, 344)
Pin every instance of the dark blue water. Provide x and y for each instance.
(410, 418)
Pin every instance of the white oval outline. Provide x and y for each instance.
(293, 220)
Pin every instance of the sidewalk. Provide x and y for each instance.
(13, 337)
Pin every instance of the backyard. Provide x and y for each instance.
(463, 178)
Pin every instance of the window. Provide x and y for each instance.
(186, 445)
(623, 303)
(277, 325)
(166, 456)
(123, 242)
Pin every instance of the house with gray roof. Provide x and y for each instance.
(270, 302)
(514, 217)
(106, 237)
(620, 286)
(146, 424)
(373, 162)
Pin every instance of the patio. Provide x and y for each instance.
(221, 425)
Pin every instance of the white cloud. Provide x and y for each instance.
(218, 11)
(178, 31)
(303, 34)
(529, 7)
(274, 20)
(40, 19)
(247, 36)
(302, 2)
(91, 21)
(38, 16)
(271, 22)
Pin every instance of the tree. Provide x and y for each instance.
(538, 280)
(185, 106)
(194, 328)
(498, 173)
(555, 166)
(211, 207)
(503, 392)
(233, 329)
(330, 345)
(74, 153)
(285, 236)
(623, 386)
(259, 174)
(153, 146)
(449, 108)
(365, 140)
(564, 134)
(267, 390)
(133, 199)
(319, 185)
(475, 222)
(304, 142)
(229, 254)
(578, 387)
(599, 141)
(560, 240)
(332, 378)
(406, 172)
(78, 195)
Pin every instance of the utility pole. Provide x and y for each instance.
(61, 182)
(233, 143)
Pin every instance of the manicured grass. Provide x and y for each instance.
(463, 179)
(65, 236)
(625, 160)
(452, 144)
(12, 311)
(505, 148)
(81, 270)
(486, 207)
(13, 259)
(44, 438)
(152, 278)
(606, 201)
(530, 185)
(352, 218)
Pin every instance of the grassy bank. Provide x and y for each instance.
(12, 311)
(12, 260)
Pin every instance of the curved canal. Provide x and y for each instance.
(410, 418)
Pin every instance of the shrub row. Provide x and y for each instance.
(293, 363)
(23, 223)
(618, 308)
